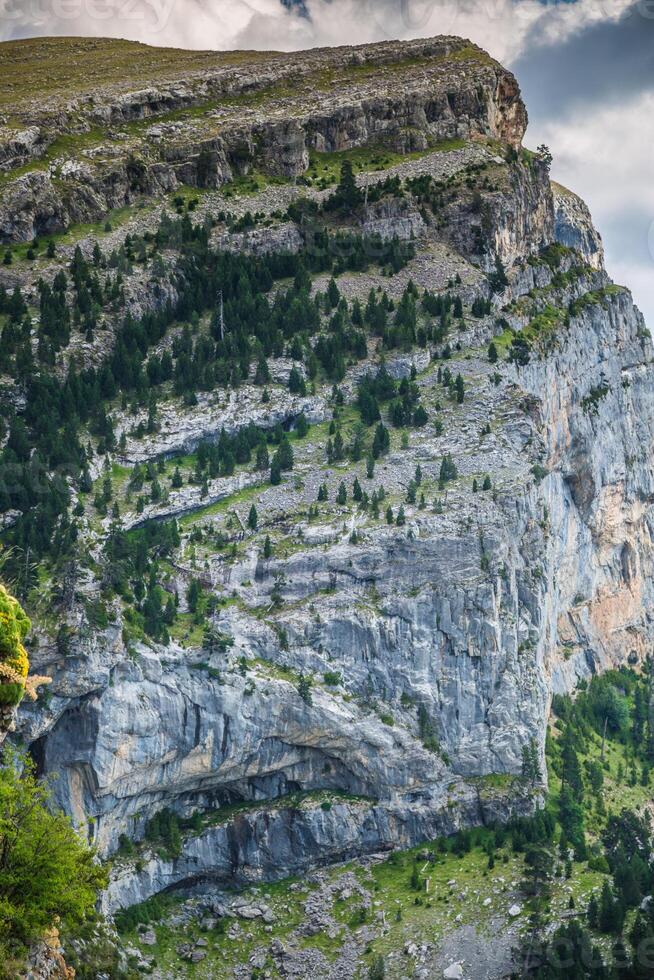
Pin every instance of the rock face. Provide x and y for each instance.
(46, 960)
(268, 844)
(434, 645)
(566, 592)
(423, 92)
(574, 226)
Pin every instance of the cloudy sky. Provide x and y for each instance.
(586, 68)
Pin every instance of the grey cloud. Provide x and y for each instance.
(606, 62)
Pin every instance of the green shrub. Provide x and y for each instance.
(47, 871)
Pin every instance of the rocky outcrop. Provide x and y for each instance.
(598, 435)
(153, 735)
(7, 721)
(19, 146)
(46, 960)
(264, 845)
(473, 630)
(574, 226)
(458, 93)
(477, 626)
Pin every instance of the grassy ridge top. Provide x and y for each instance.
(66, 66)
(49, 70)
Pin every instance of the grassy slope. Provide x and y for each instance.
(40, 68)
(51, 69)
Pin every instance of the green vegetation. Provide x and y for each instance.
(600, 758)
(46, 871)
(325, 168)
(66, 66)
(56, 409)
(412, 888)
(14, 663)
(586, 856)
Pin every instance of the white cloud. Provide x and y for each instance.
(639, 278)
(505, 27)
(612, 145)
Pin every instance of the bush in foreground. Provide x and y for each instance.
(47, 871)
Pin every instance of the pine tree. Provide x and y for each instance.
(341, 496)
(262, 373)
(611, 913)
(639, 714)
(348, 195)
(448, 470)
(381, 442)
(296, 383)
(571, 817)
(377, 969)
(530, 762)
(304, 689)
(267, 548)
(193, 595)
(498, 279)
(592, 911)
(285, 454)
(262, 458)
(333, 294)
(571, 770)
(253, 518)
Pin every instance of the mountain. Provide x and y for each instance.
(326, 460)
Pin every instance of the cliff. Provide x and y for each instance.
(78, 156)
(433, 644)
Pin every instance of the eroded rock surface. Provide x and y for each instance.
(433, 645)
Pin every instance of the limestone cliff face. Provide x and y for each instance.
(264, 845)
(598, 431)
(434, 646)
(476, 618)
(574, 226)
